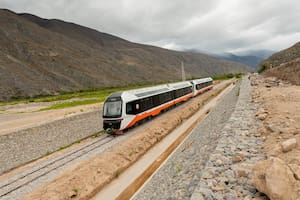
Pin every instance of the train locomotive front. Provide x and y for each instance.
(112, 113)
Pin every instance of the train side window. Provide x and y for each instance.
(129, 108)
(155, 100)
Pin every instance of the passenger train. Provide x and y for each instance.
(123, 110)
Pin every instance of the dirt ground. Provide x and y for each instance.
(279, 175)
(86, 179)
(21, 116)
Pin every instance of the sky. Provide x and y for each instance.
(214, 26)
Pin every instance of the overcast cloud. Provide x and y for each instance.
(214, 26)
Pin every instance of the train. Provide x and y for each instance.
(123, 110)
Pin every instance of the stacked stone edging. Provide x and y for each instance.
(227, 174)
(25, 145)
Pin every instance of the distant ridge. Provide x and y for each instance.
(41, 57)
(251, 60)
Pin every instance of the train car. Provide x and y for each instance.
(202, 85)
(123, 110)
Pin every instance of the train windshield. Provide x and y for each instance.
(112, 109)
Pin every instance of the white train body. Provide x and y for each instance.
(123, 110)
(202, 85)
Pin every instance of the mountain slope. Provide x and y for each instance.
(40, 56)
(284, 64)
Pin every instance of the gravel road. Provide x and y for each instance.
(180, 177)
(23, 146)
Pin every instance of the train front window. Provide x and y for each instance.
(112, 109)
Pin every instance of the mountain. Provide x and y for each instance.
(250, 58)
(259, 53)
(284, 64)
(44, 57)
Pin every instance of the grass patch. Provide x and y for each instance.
(227, 76)
(100, 93)
(94, 95)
(72, 104)
(98, 134)
(47, 153)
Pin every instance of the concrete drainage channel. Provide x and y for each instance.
(133, 179)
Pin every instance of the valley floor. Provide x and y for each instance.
(246, 148)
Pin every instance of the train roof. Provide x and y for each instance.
(179, 85)
(148, 91)
(202, 80)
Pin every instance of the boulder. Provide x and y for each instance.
(289, 144)
(275, 179)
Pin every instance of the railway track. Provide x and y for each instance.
(18, 181)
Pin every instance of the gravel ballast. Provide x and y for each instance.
(201, 167)
(23, 146)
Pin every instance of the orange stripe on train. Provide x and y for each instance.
(157, 110)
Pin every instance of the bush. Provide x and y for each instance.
(262, 68)
(227, 76)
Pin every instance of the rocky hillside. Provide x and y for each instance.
(284, 64)
(283, 56)
(40, 57)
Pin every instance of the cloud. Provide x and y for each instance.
(213, 26)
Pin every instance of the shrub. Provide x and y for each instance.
(262, 68)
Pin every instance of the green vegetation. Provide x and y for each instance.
(91, 95)
(99, 133)
(227, 76)
(238, 92)
(47, 153)
(178, 168)
(117, 174)
(262, 68)
(72, 104)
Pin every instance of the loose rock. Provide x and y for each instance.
(274, 178)
(289, 144)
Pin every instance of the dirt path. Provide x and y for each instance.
(19, 117)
